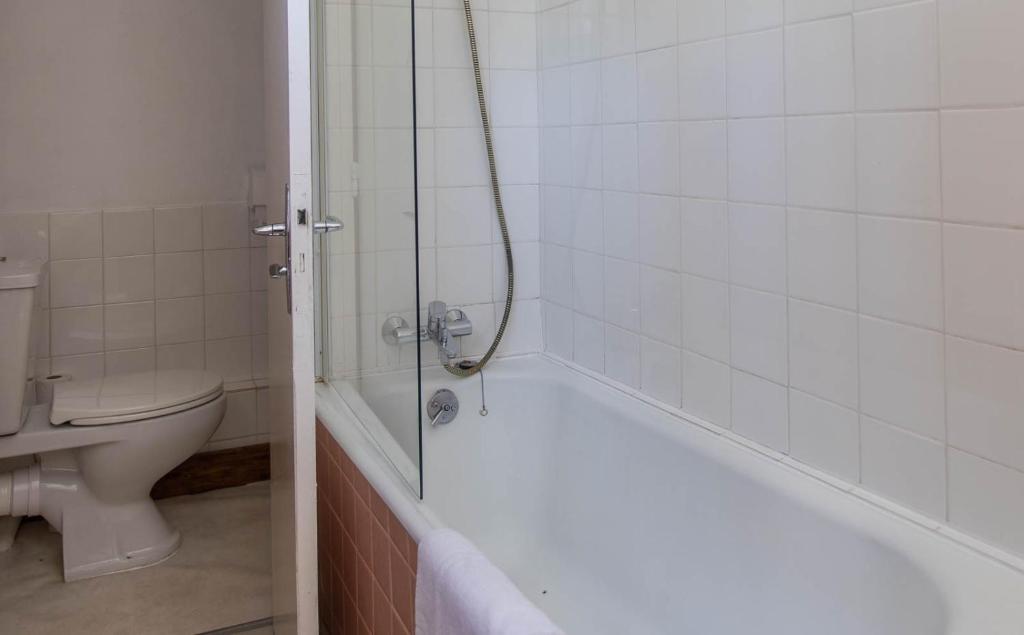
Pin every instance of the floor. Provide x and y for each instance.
(219, 578)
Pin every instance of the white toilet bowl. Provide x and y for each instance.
(102, 448)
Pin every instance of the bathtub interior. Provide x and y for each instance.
(609, 515)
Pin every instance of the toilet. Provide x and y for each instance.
(100, 445)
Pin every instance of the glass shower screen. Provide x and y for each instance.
(368, 179)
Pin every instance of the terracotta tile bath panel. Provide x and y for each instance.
(367, 560)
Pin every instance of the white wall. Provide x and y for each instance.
(369, 119)
(801, 220)
(127, 131)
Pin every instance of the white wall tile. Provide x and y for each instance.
(556, 91)
(619, 154)
(127, 232)
(822, 257)
(226, 270)
(75, 331)
(618, 27)
(77, 234)
(655, 24)
(760, 410)
(181, 356)
(621, 226)
(823, 355)
(657, 91)
(985, 401)
(586, 157)
(982, 159)
(130, 278)
(230, 358)
(702, 78)
(179, 275)
(981, 50)
(819, 67)
(820, 162)
(700, 19)
(178, 229)
(179, 321)
(897, 58)
(660, 305)
(755, 85)
(464, 274)
(554, 37)
(129, 325)
(622, 293)
(707, 389)
(757, 247)
(703, 161)
(757, 161)
(513, 40)
(588, 342)
(76, 282)
(227, 315)
(984, 291)
(705, 238)
(900, 270)
(584, 30)
(556, 277)
(752, 15)
(558, 338)
(803, 10)
(903, 144)
(824, 435)
(985, 499)
(902, 376)
(659, 231)
(904, 467)
(618, 90)
(706, 317)
(588, 283)
(658, 154)
(588, 220)
(759, 334)
(585, 96)
(136, 360)
(660, 371)
(622, 356)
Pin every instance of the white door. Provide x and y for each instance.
(287, 114)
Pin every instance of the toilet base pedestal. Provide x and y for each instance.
(99, 536)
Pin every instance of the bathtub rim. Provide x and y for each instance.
(950, 544)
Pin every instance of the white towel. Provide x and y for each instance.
(459, 592)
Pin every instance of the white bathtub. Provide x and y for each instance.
(616, 516)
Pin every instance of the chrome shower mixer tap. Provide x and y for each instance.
(445, 328)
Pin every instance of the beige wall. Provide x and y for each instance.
(111, 103)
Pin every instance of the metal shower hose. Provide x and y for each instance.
(466, 371)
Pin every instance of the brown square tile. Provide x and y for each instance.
(364, 592)
(402, 591)
(364, 527)
(381, 612)
(378, 507)
(397, 627)
(381, 564)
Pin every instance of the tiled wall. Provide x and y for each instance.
(370, 174)
(366, 559)
(800, 220)
(139, 289)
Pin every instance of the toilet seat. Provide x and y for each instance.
(133, 396)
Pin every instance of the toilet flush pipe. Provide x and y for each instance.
(19, 492)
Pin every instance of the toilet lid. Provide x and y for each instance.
(133, 396)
